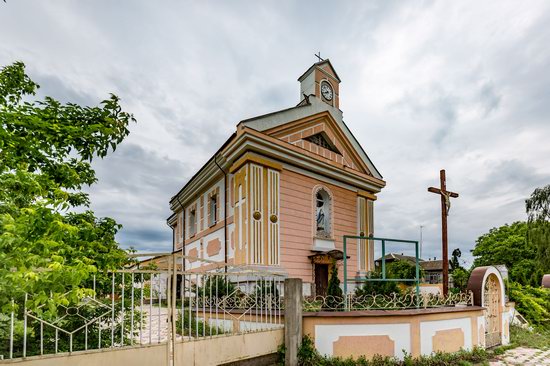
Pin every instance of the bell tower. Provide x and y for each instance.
(321, 81)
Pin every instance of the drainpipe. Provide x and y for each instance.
(225, 194)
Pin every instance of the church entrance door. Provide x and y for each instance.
(321, 279)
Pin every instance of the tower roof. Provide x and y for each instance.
(319, 64)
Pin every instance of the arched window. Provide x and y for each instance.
(322, 213)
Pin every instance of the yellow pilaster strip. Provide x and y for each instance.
(250, 157)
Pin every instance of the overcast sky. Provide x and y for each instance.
(460, 85)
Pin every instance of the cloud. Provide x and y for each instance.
(426, 85)
(134, 187)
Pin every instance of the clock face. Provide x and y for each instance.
(326, 90)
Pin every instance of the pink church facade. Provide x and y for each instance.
(282, 191)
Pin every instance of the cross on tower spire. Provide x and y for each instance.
(318, 55)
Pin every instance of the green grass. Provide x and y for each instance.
(538, 338)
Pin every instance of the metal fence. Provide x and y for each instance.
(137, 306)
(394, 301)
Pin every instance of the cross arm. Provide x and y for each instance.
(439, 191)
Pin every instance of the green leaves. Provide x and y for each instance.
(503, 245)
(538, 205)
(531, 302)
(46, 150)
(58, 140)
(14, 84)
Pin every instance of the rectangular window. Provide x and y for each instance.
(192, 223)
(212, 210)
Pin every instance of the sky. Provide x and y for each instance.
(426, 85)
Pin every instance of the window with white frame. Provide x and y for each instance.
(212, 210)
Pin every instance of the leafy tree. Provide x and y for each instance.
(538, 205)
(47, 248)
(503, 245)
(403, 269)
(455, 259)
(460, 279)
(377, 287)
(538, 213)
(400, 269)
(524, 247)
(216, 286)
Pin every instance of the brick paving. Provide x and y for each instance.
(523, 356)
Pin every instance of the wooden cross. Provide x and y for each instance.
(319, 56)
(445, 207)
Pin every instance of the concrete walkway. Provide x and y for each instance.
(523, 356)
(155, 327)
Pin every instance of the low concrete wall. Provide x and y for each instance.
(135, 356)
(211, 351)
(225, 349)
(393, 332)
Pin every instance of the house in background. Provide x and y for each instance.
(432, 268)
(433, 271)
(393, 257)
(282, 191)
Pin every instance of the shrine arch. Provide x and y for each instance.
(487, 287)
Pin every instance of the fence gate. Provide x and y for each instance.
(492, 298)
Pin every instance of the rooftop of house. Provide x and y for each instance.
(432, 265)
(427, 265)
(390, 257)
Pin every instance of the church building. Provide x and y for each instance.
(282, 191)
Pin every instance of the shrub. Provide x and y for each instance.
(533, 303)
(308, 356)
(193, 326)
(335, 295)
(215, 286)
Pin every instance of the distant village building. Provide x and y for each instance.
(282, 191)
(432, 268)
(433, 271)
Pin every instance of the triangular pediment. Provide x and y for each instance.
(321, 135)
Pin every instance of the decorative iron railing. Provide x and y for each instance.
(386, 302)
(136, 306)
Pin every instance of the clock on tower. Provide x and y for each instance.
(321, 81)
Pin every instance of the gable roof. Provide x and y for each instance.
(319, 64)
(390, 257)
(311, 107)
(434, 265)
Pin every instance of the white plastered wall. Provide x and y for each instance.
(429, 328)
(326, 335)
